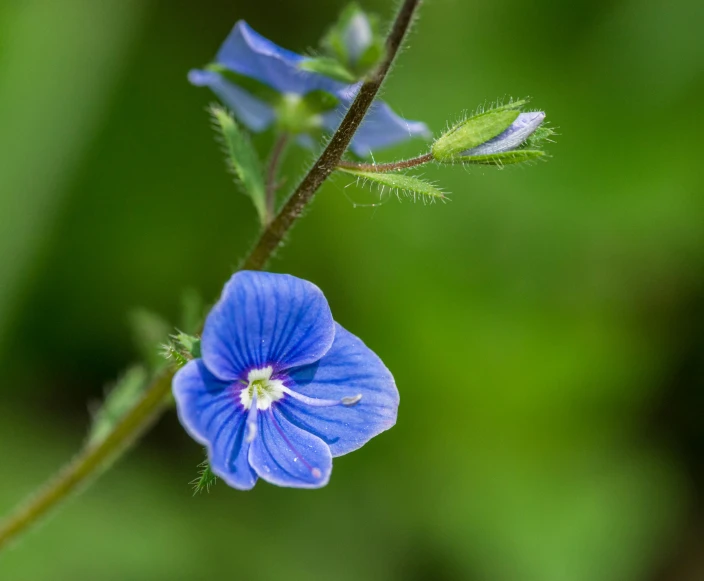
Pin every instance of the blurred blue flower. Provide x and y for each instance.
(521, 129)
(252, 56)
(281, 388)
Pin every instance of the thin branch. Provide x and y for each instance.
(90, 461)
(271, 173)
(272, 237)
(387, 167)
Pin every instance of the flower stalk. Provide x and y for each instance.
(93, 459)
(387, 167)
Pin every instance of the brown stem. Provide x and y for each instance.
(271, 173)
(386, 167)
(272, 237)
(92, 459)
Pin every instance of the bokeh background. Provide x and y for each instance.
(545, 327)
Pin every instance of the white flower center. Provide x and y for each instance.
(268, 390)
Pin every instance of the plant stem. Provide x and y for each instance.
(387, 167)
(271, 174)
(272, 237)
(90, 461)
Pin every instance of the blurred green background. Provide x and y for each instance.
(546, 327)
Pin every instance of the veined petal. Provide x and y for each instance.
(348, 369)
(285, 455)
(380, 128)
(209, 409)
(249, 53)
(250, 111)
(266, 319)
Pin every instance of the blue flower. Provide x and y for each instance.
(250, 55)
(281, 388)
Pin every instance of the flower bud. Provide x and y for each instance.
(517, 133)
(355, 41)
(494, 137)
(357, 36)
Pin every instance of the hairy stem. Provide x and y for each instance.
(90, 461)
(387, 167)
(272, 237)
(271, 173)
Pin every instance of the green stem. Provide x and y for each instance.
(94, 458)
(91, 461)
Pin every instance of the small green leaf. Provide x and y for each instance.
(242, 158)
(328, 66)
(206, 479)
(118, 401)
(189, 344)
(500, 159)
(409, 186)
(539, 137)
(510, 106)
(174, 353)
(181, 348)
(149, 331)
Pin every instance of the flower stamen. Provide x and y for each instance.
(347, 401)
(252, 419)
(261, 390)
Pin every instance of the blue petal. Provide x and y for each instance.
(283, 454)
(380, 128)
(248, 53)
(266, 319)
(253, 113)
(348, 369)
(210, 411)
